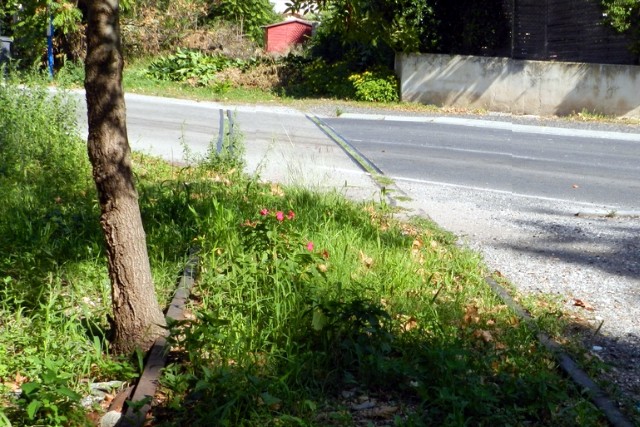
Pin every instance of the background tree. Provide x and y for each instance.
(27, 20)
(249, 15)
(624, 16)
(463, 27)
(399, 24)
(138, 320)
(470, 27)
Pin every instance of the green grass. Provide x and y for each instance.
(307, 305)
(343, 300)
(136, 80)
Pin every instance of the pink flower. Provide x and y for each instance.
(280, 216)
(264, 212)
(291, 215)
(310, 246)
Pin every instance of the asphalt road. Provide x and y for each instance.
(602, 169)
(280, 144)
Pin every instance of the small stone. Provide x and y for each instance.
(596, 348)
(110, 419)
(364, 405)
(106, 385)
(347, 394)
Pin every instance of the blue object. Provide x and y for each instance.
(50, 45)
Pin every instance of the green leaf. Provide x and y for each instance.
(49, 377)
(269, 400)
(67, 392)
(319, 320)
(32, 409)
(29, 388)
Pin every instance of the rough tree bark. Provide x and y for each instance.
(138, 320)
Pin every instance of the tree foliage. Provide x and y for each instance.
(624, 16)
(400, 24)
(27, 21)
(466, 26)
(164, 23)
(250, 15)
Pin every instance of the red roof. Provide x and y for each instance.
(289, 21)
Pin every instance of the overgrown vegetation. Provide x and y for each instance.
(357, 35)
(192, 66)
(624, 16)
(309, 310)
(54, 289)
(356, 41)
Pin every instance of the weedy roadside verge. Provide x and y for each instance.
(310, 309)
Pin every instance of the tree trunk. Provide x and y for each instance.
(138, 320)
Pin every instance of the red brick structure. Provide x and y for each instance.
(283, 35)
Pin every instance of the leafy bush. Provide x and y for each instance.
(191, 65)
(305, 77)
(623, 16)
(71, 74)
(375, 86)
(40, 144)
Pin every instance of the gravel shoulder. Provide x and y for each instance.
(590, 262)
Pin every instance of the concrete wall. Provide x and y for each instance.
(519, 87)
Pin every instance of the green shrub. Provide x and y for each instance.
(191, 65)
(318, 78)
(375, 86)
(45, 177)
(40, 142)
(71, 74)
(305, 77)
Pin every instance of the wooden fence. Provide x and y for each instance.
(565, 30)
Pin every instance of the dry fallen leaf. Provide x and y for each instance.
(276, 190)
(580, 303)
(366, 260)
(471, 315)
(383, 411)
(409, 323)
(483, 335)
